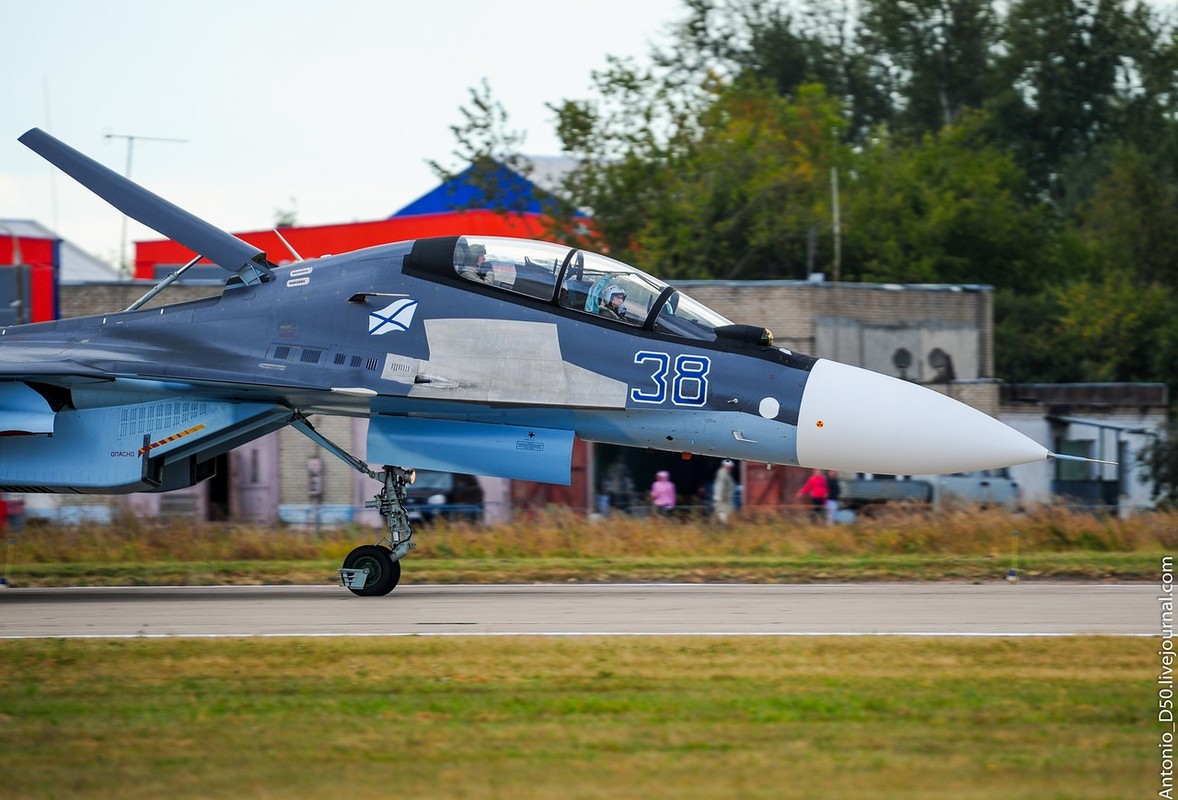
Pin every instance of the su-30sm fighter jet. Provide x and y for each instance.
(468, 354)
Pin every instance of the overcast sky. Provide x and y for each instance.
(330, 108)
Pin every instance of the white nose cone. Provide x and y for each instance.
(857, 420)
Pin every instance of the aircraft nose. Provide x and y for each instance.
(857, 420)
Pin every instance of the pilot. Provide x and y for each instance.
(475, 267)
(613, 302)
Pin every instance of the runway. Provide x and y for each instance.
(924, 609)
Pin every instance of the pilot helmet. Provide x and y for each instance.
(473, 253)
(612, 291)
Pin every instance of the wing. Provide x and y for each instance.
(84, 435)
(71, 420)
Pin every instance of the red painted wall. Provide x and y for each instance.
(42, 256)
(318, 240)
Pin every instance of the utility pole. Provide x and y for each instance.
(836, 214)
(131, 138)
(838, 231)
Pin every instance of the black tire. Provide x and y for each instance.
(383, 573)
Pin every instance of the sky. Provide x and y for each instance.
(330, 109)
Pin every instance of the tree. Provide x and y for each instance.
(287, 217)
(738, 191)
(747, 198)
(933, 55)
(948, 209)
(1030, 343)
(626, 142)
(1071, 70)
(1125, 331)
(488, 154)
(1160, 459)
(1129, 220)
(788, 46)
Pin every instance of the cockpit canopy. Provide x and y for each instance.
(585, 282)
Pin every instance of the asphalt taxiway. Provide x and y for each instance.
(922, 609)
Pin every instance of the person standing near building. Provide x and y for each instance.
(618, 487)
(723, 492)
(816, 490)
(832, 497)
(662, 493)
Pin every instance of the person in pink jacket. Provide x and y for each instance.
(816, 489)
(662, 493)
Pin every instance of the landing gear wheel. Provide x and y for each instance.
(383, 572)
(373, 570)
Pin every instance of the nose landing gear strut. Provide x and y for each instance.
(373, 570)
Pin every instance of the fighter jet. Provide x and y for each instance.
(471, 354)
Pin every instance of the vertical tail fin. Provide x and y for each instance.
(224, 249)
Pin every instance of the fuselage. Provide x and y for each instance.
(407, 334)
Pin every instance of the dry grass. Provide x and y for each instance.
(560, 533)
(966, 531)
(965, 544)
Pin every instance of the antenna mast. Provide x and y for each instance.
(127, 174)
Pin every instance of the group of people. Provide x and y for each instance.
(821, 489)
(663, 495)
(474, 266)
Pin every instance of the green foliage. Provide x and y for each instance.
(1129, 218)
(627, 142)
(1125, 331)
(287, 217)
(1160, 459)
(786, 45)
(751, 192)
(738, 189)
(948, 210)
(933, 56)
(1030, 343)
(1073, 76)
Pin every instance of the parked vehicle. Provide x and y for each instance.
(444, 495)
(986, 488)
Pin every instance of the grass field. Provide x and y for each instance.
(582, 718)
(641, 717)
(903, 545)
